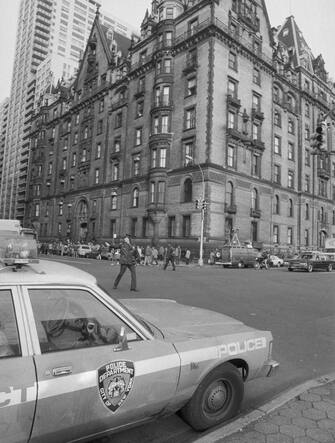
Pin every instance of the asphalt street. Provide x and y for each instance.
(299, 309)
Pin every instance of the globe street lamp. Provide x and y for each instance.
(202, 202)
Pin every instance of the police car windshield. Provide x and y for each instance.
(152, 329)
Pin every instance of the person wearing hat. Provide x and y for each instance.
(128, 258)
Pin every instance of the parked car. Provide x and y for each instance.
(276, 261)
(239, 256)
(84, 250)
(68, 349)
(311, 261)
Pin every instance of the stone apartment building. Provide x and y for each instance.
(210, 102)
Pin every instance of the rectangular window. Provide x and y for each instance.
(277, 174)
(145, 227)
(115, 171)
(133, 226)
(162, 158)
(98, 151)
(290, 179)
(99, 127)
(256, 131)
(276, 234)
(307, 157)
(190, 118)
(165, 124)
(154, 158)
(254, 231)
(231, 157)
(138, 136)
(232, 120)
(101, 105)
(139, 109)
(307, 183)
(172, 226)
(290, 236)
(166, 96)
(161, 192)
(152, 192)
(232, 88)
(167, 66)
(232, 61)
(191, 86)
(117, 145)
(136, 165)
(277, 145)
(255, 165)
(113, 228)
(256, 102)
(97, 176)
(306, 235)
(290, 151)
(256, 76)
(118, 120)
(186, 225)
(188, 150)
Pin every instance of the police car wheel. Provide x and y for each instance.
(217, 398)
(309, 268)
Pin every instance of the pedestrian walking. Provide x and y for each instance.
(169, 257)
(187, 256)
(148, 256)
(178, 254)
(154, 260)
(128, 258)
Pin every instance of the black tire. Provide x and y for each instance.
(240, 265)
(290, 269)
(310, 268)
(329, 267)
(217, 398)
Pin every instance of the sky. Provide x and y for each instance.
(314, 18)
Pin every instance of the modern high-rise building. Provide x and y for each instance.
(51, 37)
(211, 103)
(3, 127)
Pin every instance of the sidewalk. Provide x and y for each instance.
(305, 414)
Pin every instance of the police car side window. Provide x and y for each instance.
(9, 336)
(74, 319)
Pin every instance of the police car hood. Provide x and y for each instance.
(180, 322)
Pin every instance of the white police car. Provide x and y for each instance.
(76, 364)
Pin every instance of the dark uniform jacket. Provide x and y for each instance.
(128, 254)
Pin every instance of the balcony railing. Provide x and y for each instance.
(233, 101)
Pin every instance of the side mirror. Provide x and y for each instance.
(123, 342)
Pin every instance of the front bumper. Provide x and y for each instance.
(269, 368)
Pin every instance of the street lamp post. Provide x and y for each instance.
(202, 203)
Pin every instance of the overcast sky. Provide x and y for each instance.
(315, 19)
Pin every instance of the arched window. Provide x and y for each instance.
(254, 199)
(188, 190)
(277, 205)
(290, 208)
(229, 194)
(135, 198)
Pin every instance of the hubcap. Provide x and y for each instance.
(217, 397)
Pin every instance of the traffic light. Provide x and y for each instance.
(204, 205)
(197, 204)
(321, 132)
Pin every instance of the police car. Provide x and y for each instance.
(75, 364)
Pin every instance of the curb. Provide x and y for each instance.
(272, 405)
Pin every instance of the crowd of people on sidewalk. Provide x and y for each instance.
(148, 255)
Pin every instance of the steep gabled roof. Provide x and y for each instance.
(290, 36)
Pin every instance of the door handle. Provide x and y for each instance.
(63, 370)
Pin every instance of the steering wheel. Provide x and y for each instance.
(55, 328)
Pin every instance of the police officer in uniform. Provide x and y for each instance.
(128, 258)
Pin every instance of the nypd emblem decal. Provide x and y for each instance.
(115, 382)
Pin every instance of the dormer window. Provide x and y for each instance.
(169, 13)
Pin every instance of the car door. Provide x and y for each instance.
(86, 385)
(17, 373)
